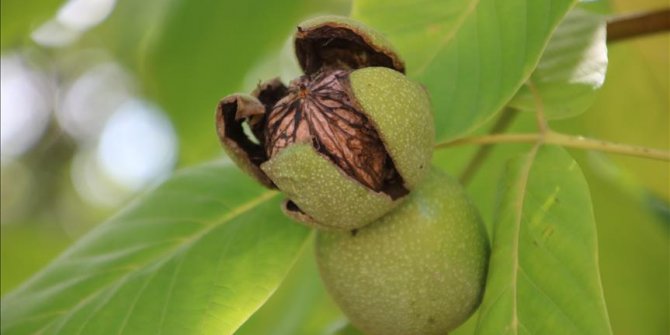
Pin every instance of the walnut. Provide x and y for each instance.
(345, 142)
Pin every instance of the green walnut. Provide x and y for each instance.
(418, 270)
(347, 141)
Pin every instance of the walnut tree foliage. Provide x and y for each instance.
(206, 251)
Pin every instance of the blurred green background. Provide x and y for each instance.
(101, 99)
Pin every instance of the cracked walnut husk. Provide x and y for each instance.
(347, 141)
(319, 109)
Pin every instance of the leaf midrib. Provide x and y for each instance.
(521, 199)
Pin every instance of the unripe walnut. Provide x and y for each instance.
(347, 141)
(419, 270)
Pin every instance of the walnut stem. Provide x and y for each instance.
(566, 140)
(625, 27)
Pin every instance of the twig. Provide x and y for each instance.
(571, 141)
(491, 139)
(629, 26)
(581, 142)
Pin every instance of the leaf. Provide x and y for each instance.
(633, 254)
(198, 255)
(543, 273)
(20, 17)
(571, 69)
(419, 29)
(300, 306)
(478, 52)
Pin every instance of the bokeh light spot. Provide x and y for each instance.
(24, 110)
(138, 145)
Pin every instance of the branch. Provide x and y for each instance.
(570, 141)
(635, 25)
(491, 139)
(581, 142)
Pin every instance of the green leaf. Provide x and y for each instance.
(198, 255)
(633, 254)
(21, 17)
(471, 55)
(419, 29)
(571, 69)
(543, 276)
(300, 306)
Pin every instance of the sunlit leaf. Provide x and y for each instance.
(544, 277)
(198, 255)
(472, 55)
(300, 306)
(571, 69)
